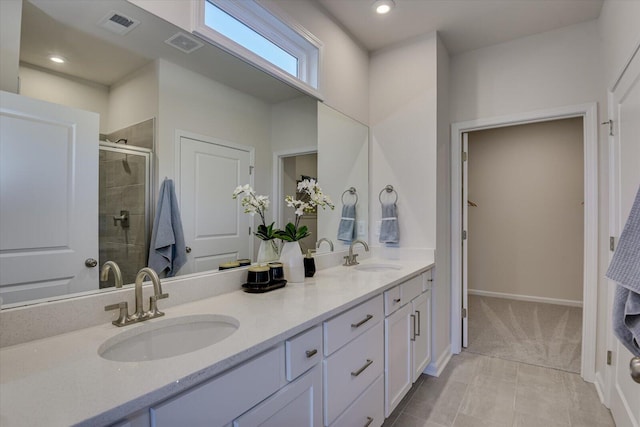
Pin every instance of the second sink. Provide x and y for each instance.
(168, 338)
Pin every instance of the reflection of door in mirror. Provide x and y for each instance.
(48, 182)
(124, 206)
(294, 169)
(215, 226)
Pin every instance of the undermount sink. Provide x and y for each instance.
(168, 337)
(377, 267)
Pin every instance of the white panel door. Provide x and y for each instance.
(398, 329)
(421, 345)
(48, 199)
(625, 177)
(215, 226)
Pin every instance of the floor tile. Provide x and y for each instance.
(463, 420)
(489, 403)
(526, 420)
(405, 420)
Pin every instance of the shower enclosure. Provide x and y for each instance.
(124, 208)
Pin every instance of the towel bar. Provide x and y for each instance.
(389, 189)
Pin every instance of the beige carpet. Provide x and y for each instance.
(538, 334)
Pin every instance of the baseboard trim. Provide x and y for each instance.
(599, 384)
(436, 367)
(557, 301)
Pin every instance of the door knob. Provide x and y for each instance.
(188, 249)
(90, 262)
(634, 367)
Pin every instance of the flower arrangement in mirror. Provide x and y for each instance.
(310, 197)
(254, 203)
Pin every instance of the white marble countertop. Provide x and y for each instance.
(61, 380)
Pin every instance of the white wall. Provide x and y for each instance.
(442, 283)
(619, 26)
(10, 23)
(345, 70)
(134, 98)
(526, 232)
(65, 90)
(191, 102)
(403, 107)
(547, 70)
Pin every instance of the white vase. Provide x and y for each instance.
(268, 251)
(293, 262)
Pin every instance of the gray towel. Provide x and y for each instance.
(167, 251)
(389, 232)
(347, 227)
(625, 270)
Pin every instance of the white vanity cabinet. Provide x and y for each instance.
(407, 337)
(354, 366)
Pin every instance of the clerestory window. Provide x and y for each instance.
(248, 29)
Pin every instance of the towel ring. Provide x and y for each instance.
(350, 190)
(388, 189)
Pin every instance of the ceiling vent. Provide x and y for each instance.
(118, 23)
(183, 42)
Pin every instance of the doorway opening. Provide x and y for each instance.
(525, 189)
(588, 113)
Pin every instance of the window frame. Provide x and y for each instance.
(276, 28)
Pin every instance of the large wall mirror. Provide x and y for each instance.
(163, 98)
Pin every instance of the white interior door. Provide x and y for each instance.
(625, 177)
(465, 236)
(47, 230)
(215, 226)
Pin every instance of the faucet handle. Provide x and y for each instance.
(161, 296)
(123, 317)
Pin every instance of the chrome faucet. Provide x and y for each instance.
(140, 315)
(324, 239)
(117, 274)
(351, 258)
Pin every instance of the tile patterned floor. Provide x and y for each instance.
(481, 391)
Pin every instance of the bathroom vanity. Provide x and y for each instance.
(339, 349)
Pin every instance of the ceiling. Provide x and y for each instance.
(463, 25)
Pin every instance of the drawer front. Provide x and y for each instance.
(411, 288)
(219, 401)
(367, 410)
(350, 324)
(351, 370)
(392, 300)
(428, 279)
(302, 352)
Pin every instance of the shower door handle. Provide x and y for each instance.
(634, 367)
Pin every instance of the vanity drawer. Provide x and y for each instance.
(367, 410)
(350, 324)
(392, 300)
(302, 352)
(411, 288)
(348, 372)
(218, 401)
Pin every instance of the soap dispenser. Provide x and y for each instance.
(309, 264)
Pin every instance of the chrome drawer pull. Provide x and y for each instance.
(413, 320)
(359, 371)
(311, 353)
(396, 300)
(362, 322)
(369, 421)
(418, 322)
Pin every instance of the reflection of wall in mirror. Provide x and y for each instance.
(343, 162)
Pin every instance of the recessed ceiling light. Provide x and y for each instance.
(383, 6)
(57, 59)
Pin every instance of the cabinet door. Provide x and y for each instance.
(297, 404)
(398, 332)
(421, 345)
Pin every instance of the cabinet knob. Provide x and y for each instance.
(369, 421)
(311, 353)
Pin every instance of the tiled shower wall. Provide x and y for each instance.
(122, 187)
